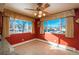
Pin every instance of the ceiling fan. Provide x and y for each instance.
(39, 10)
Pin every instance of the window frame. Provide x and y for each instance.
(61, 26)
(14, 32)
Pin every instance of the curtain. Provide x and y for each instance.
(41, 28)
(6, 18)
(69, 27)
(70, 22)
(33, 27)
(5, 26)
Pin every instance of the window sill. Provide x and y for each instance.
(56, 33)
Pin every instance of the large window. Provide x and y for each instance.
(20, 26)
(55, 26)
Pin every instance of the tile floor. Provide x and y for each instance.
(40, 48)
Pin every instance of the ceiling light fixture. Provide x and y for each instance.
(39, 14)
(44, 14)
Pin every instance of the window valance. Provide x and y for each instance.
(16, 15)
(68, 13)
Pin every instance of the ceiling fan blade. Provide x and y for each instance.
(47, 13)
(30, 9)
(39, 5)
(46, 5)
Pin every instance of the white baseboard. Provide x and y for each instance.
(68, 48)
(51, 43)
(60, 46)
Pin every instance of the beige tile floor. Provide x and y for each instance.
(40, 48)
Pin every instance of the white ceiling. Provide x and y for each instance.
(54, 7)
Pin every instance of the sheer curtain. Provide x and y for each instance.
(33, 28)
(69, 27)
(5, 26)
(41, 28)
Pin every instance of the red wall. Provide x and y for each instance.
(76, 25)
(37, 28)
(61, 39)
